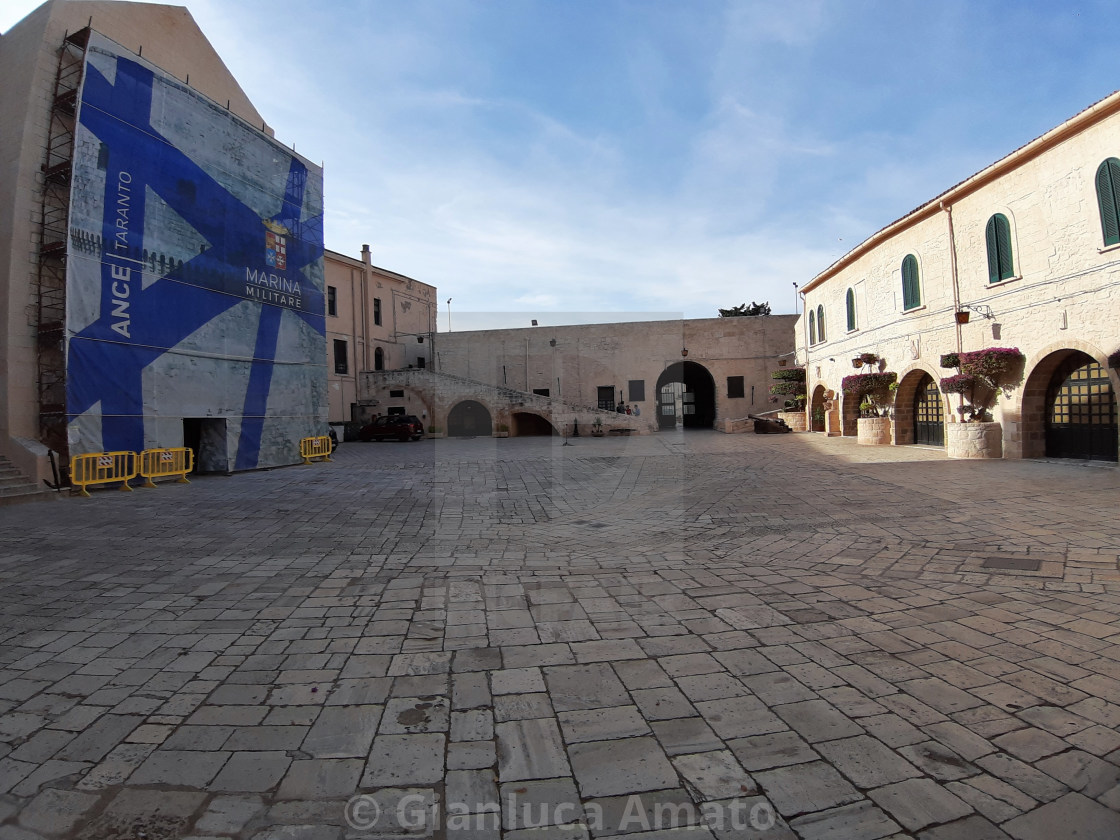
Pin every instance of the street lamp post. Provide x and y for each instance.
(449, 314)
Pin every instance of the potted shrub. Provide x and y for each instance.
(983, 375)
(597, 427)
(876, 394)
(790, 383)
(501, 430)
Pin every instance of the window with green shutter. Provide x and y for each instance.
(998, 236)
(1108, 199)
(850, 302)
(812, 327)
(820, 323)
(911, 291)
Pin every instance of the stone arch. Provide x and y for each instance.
(816, 407)
(908, 381)
(469, 418)
(531, 424)
(694, 379)
(1024, 420)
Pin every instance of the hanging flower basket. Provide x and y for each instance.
(962, 317)
(960, 383)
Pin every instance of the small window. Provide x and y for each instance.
(850, 304)
(394, 410)
(637, 389)
(541, 392)
(1108, 200)
(332, 301)
(377, 312)
(734, 387)
(606, 397)
(820, 323)
(340, 362)
(998, 236)
(911, 291)
(812, 327)
(421, 362)
(396, 393)
(379, 359)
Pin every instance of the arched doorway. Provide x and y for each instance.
(929, 415)
(1081, 411)
(817, 410)
(526, 424)
(469, 419)
(686, 395)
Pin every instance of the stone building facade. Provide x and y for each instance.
(687, 373)
(1025, 254)
(376, 320)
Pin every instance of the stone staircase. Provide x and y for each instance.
(15, 487)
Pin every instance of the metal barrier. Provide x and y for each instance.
(315, 447)
(161, 463)
(102, 468)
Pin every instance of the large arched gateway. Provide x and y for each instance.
(1081, 411)
(686, 395)
(469, 419)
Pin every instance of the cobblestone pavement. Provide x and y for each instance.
(699, 636)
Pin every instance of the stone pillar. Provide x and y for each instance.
(873, 431)
(974, 440)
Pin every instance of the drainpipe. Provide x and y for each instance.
(953, 271)
(956, 285)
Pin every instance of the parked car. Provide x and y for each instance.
(399, 426)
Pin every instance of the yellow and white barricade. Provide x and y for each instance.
(162, 463)
(315, 447)
(102, 468)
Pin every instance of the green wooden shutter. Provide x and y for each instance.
(812, 327)
(820, 323)
(1108, 180)
(1003, 240)
(993, 251)
(911, 290)
(850, 302)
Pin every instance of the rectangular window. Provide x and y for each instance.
(541, 392)
(340, 361)
(734, 387)
(397, 393)
(377, 312)
(332, 301)
(637, 388)
(421, 362)
(395, 409)
(606, 397)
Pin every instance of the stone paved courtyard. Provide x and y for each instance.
(699, 635)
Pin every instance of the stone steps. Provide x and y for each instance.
(15, 487)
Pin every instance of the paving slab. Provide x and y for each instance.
(791, 622)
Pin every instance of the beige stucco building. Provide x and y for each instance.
(687, 373)
(376, 320)
(1028, 250)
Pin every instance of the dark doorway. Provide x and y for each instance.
(929, 419)
(686, 392)
(469, 419)
(531, 425)
(206, 437)
(816, 410)
(1081, 411)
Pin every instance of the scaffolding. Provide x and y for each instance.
(54, 219)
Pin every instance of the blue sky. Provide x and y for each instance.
(605, 157)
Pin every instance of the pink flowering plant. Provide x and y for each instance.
(983, 375)
(873, 389)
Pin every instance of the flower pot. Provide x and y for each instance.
(974, 440)
(857, 363)
(962, 317)
(873, 431)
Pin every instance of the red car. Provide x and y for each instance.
(399, 426)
